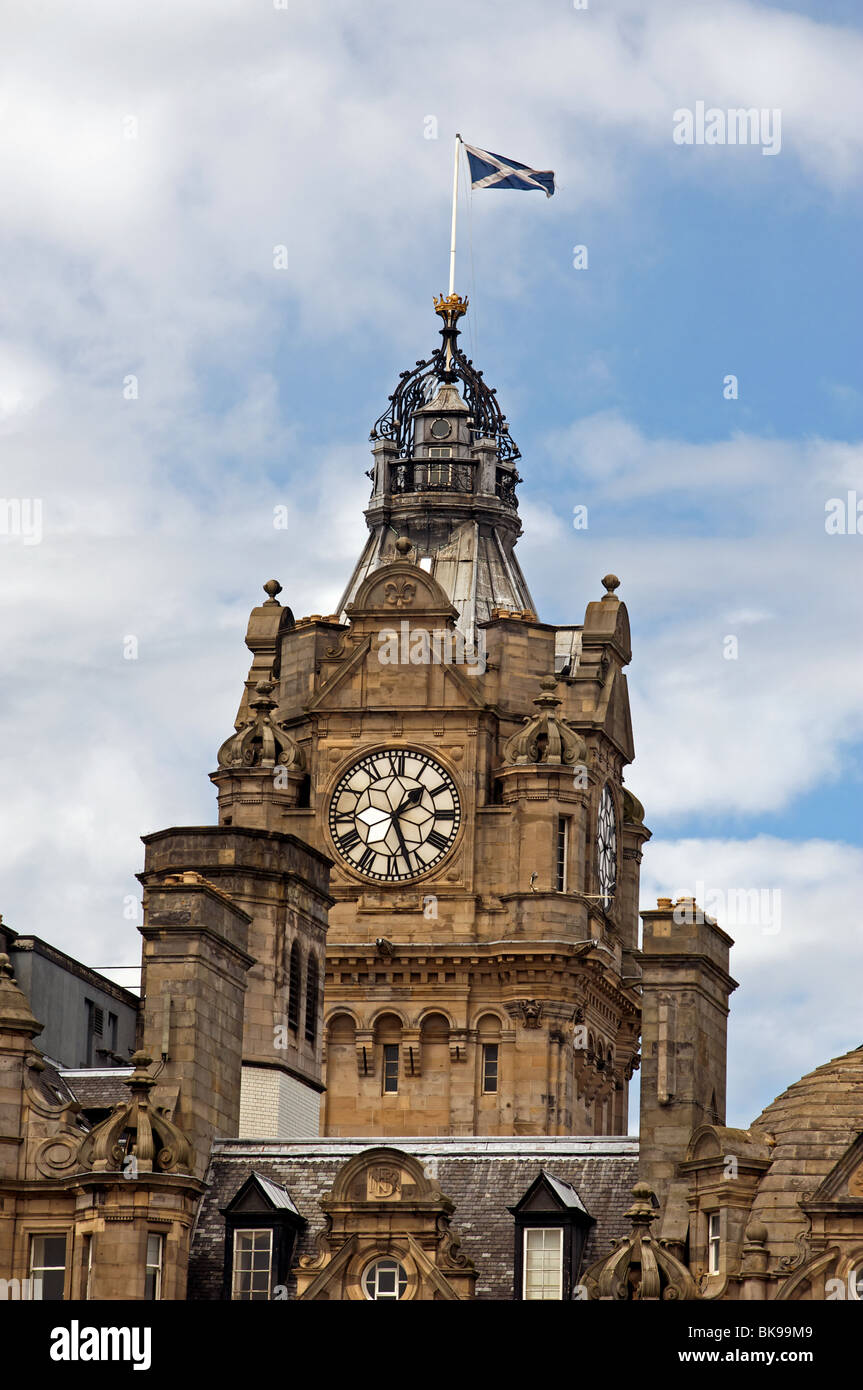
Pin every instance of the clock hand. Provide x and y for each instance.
(398, 830)
(410, 800)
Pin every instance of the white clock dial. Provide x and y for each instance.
(394, 815)
(606, 843)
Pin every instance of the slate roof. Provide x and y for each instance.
(565, 1191)
(483, 1177)
(51, 1083)
(98, 1089)
(278, 1195)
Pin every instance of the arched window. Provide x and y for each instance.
(388, 1036)
(311, 1000)
(294, 985)
(488, 1032)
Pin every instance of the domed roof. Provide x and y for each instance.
(808, 1129)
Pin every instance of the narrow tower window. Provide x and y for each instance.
(713, 1243)
(155, 1250)
(391, 1068)
(311, 1000)
(294, 985)
(562, 852)
(489, 1068)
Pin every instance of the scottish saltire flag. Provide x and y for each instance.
(493, 171)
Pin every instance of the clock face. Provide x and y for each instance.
(394, 815)
(606, 841)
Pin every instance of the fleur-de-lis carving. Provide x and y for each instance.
(399, 593)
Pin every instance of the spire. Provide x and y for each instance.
(445, 481)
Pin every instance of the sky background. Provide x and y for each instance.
(153, 156)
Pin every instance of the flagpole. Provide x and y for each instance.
(452, 238)
(454, 211)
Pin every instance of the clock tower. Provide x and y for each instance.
(461, 763)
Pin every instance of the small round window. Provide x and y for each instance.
(385, 1279)
(441, 429)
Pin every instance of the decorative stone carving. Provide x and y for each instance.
(136, 1131)
(384, 1204)
(400, 593)
(384, 1183)
(261, 741)
(545, 738)
(640, 1267)
(528, 1010)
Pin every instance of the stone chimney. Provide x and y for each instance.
(193, 985)
(685, 990)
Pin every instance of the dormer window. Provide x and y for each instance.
(253, 1265)
(551, 1230)
(261, 1227)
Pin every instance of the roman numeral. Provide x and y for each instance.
(367, 860)
(439, 841)
(437, 791)
(348, 840)
(444, 815)
(397, 763)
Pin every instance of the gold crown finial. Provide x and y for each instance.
(450, 307)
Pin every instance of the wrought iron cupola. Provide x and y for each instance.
(444, 482)
(418, 387)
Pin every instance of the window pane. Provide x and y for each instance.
(252, 1264)
(48, 1267)
(489, 1067)
(53, 1250)
(391, 1067)
(153, 1277)
(385, 1279)
(562, 842)
(543, 1263)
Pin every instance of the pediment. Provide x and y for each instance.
(399, 590)
(383, 1175)
(548, 1194)
(260, 1195)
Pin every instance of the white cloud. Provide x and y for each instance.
(717, 735)
(781, 1024)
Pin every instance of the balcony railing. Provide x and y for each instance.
(434, 476)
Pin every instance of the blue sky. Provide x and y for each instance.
(156, 156)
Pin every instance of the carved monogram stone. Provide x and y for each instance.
(384, 1182)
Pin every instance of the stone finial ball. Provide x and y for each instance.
(611, 582)
(271, 588)
(403, 545)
